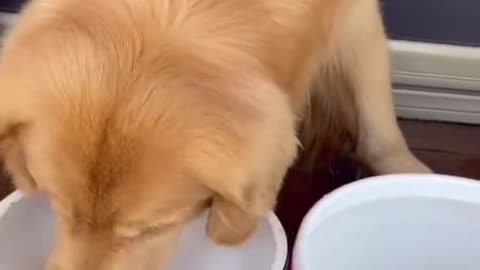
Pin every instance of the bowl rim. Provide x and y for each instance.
(8, 201)
(278, 231)
(370, 189)
(281, 243)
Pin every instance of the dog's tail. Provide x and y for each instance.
(329, 128)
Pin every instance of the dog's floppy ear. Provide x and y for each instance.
(245, 195)
(244, 159)
(14, 161)
(7, 120)
(246, 187)
(11, 153)
(237, 210)
(10, 113)
(229, 224)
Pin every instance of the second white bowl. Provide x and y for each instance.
(397, 222)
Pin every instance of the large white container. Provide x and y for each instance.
(397, 222)
(27, 231)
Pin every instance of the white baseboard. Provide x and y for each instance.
(436, 82)
(7, 19)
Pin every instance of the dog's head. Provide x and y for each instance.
(131, 138)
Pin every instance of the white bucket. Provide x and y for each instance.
(397, 222)
(27, 227)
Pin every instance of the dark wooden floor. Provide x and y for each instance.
(448, 149)
(5, 185)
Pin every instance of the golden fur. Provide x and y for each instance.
(134, 116)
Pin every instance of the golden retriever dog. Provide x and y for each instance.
(133, 116)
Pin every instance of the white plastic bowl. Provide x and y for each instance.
(27, 230)
(397, 222)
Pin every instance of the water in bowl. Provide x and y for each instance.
(399, 234)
